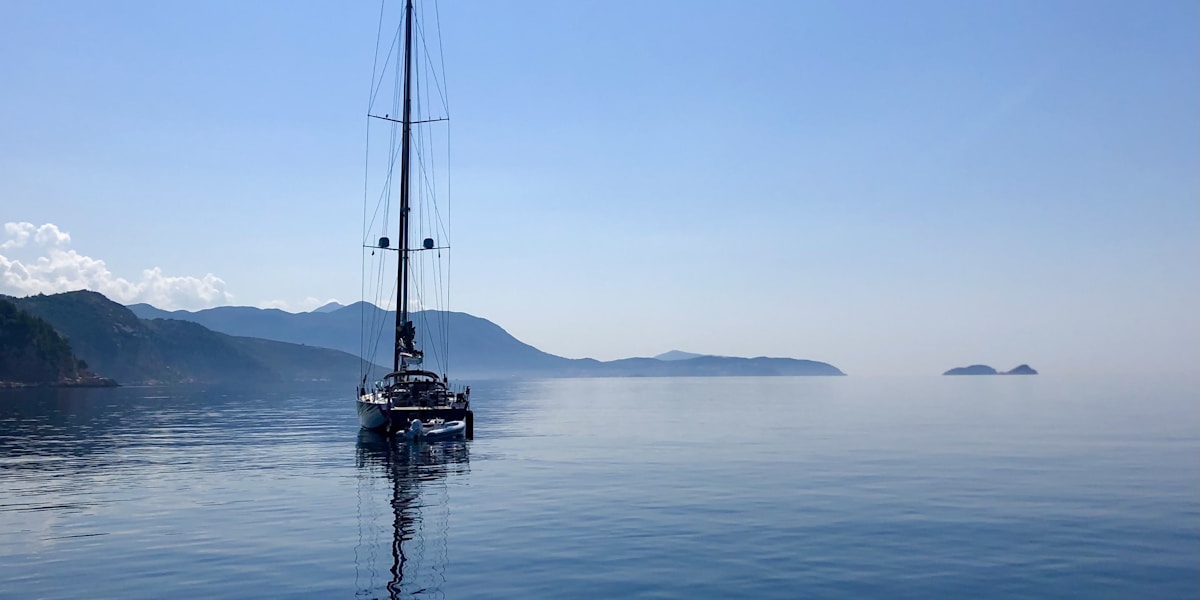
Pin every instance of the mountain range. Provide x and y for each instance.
(479, 348)
(141, 344)
(116, 343)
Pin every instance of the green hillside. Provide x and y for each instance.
(33, 353)
(117, 344)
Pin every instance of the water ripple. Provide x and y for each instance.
(651, 488)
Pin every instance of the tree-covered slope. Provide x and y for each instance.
(117, 344)
(32, 352)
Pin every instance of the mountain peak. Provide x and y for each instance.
(329, 307)
(678, 355)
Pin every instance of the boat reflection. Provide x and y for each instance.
(403, 514)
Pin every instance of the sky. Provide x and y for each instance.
(893, 188)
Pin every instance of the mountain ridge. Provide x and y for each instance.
(119, 344)
(480, 348)
(33, 353)
(678, 355)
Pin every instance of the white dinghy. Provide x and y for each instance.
(434, 430)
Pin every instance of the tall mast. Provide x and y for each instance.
(405, 332)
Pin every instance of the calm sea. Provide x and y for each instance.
(850, 487)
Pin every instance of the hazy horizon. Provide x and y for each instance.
(891, 189)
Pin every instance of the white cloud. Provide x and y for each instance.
(18, 235)
(54, 267)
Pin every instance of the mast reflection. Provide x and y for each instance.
(411, 507)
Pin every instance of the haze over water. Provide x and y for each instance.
(847, 487)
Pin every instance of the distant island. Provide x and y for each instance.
(986, 370)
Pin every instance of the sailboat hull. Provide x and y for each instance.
(375, 414)
(372, 416)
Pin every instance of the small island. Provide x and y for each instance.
(986, 370)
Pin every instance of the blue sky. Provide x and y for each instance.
(889, 187)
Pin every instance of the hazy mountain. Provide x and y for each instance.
(678, 355)
(117, 344)
(332, 306)
(479, 348)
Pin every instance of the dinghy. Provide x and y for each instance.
(434, 430)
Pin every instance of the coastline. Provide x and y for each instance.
(79, 382)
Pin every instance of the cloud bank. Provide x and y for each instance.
(48, 266)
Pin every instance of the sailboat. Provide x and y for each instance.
(409, 400)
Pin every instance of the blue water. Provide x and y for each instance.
(852, 487)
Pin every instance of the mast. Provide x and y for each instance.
(405, 331)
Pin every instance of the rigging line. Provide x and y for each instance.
(375, 58)
(385, 192)
(389, 179)
(381, 318)
(444, 224)
(432, 68)
(382, 192)
(362, 271)
(432, 221)
(416, 144)
(377, 86)
(429, 199)
(437, 82)
(421, 157)
(437, 17)
(386, 189)
(362, 316)
(446, 227)
(423, 315)
(427, 185)
(435, 349)
(436, 276)
(425, 176)
(376, 323)
(394, 154)
(446, 314)
(379, 202)
(431, 180)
